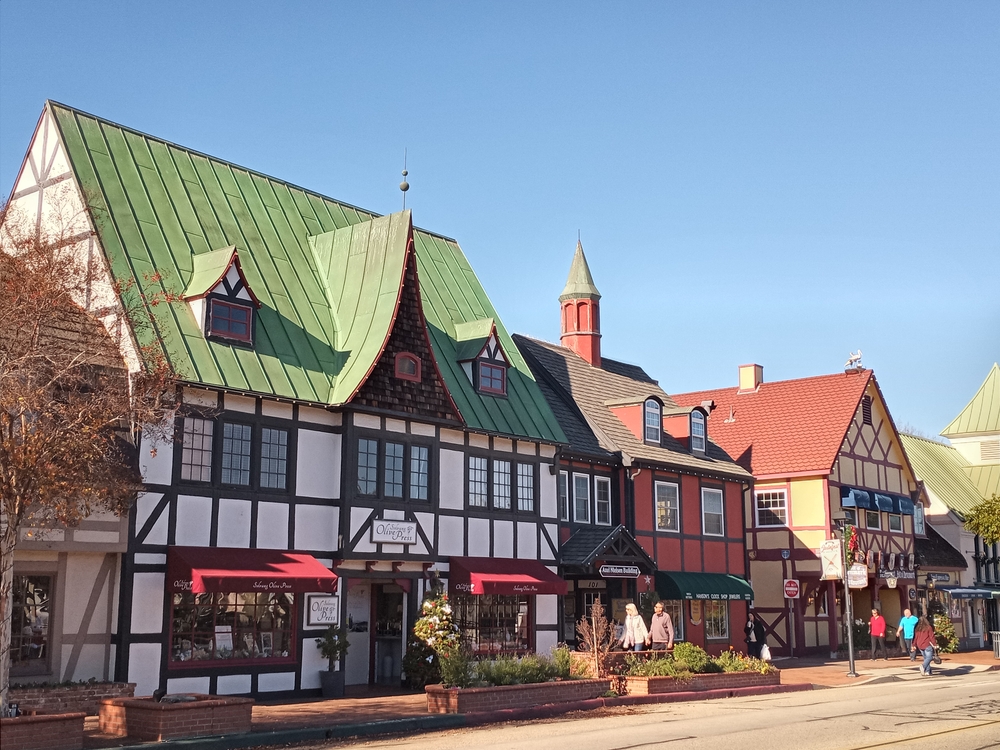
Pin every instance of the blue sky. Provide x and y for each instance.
(779, 183)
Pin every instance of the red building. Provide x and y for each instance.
(649, 506)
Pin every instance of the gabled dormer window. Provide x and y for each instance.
(482, 357)
(408, 366)
(492, 378)
(653, 420)
(697, 431)
(220, 298)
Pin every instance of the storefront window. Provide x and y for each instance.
(29, 651)
(232, 627)
(716, 620)
(675, 609)
(492, 624)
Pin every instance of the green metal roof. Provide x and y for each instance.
(982, 413)
(681, 585)
(472, 337)
(943, 470)
(327, 275)
(580, 284)
(986, 478)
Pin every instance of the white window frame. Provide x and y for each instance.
(576, 506)
(599, 481)
(563, 495)
(677, 506)
(698, 442)
(651, 432)
(878, 514)
(477, 499)
(899, 519)
(525, 489)
(711, 619)
(851, 516)
(918, 519)
(757, 497)
(705, 492)
(675, 608)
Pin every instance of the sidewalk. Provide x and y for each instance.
(371, 711)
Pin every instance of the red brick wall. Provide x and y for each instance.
(700, 682)
(442, 700)
(71, 698)
(143, 719)
(43, 732)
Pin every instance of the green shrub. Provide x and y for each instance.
(664, 666)
(944, 632)
(691, 658)
(525, 670)
(456, 668)
(563, 661)
(734, 661)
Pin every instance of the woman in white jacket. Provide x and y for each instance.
(635, 637)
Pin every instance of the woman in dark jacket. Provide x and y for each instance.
(755, 637)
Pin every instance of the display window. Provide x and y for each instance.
(247, 627)
(29, 648)
(493, 624)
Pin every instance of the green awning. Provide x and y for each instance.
(679, 585)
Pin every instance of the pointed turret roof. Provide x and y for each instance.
(982, 413)
(580, 284)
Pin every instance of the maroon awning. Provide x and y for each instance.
(215, 569)
(490, 575)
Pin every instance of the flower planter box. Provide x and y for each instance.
(85, 697)
(442, 700)
(146, 720)
(43, 732)
(699, 682)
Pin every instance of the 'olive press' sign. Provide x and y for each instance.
(394, 532)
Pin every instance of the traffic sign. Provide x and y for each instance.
(791, 588)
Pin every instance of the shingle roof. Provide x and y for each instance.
(784, 427)
(324, 312)
(578, 393)
(943, 471)
(590, 543)
(936, 552)
(982, 413)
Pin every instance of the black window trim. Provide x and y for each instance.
(408, 442)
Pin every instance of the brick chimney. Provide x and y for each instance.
(581, 311)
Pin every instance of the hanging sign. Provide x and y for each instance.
(791, 587)
(831, 559)
(619, 571)
(857, 576)
(891, 582)
(322, 609)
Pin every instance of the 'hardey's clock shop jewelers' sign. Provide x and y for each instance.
(619, 571)
(394, 532)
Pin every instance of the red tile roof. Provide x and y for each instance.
(787, 427)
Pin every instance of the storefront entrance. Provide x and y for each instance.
(375, 625)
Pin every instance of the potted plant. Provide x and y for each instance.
(333, 645)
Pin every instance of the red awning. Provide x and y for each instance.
(490, 575)
(215, 569)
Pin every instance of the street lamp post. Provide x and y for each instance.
(848, 605)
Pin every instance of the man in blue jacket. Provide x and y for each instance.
(905, 630)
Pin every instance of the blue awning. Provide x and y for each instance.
(962, 592)
(886, 503)
(905, 505)
(852, 497)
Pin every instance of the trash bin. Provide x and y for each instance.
(995, 637)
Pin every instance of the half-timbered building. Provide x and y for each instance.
(356, 425)
(819, 448)
(649, 505)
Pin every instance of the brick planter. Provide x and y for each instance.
(442, 700)
(699, 682)
(145, 720)
(43, 732)
(69, 698)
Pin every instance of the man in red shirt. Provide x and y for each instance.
(876, 626)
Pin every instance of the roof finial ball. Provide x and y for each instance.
(404, 185)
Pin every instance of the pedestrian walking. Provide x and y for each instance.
(876, 627)
(635, 637)
(904, 633)
(754, 635)
(924, 641)
(661, 629)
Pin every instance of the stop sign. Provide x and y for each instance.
(791, 588)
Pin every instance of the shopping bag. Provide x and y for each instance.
(765, 652)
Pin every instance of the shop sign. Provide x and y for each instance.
(905, 575)
(857, 576)
(592, 583)
(695, 608)
(891, 582)
(831, 558)
(619, 571)
(322, 609)
(394, 532)
(791, 587)
(939, 577)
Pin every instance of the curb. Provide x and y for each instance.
(433, 722)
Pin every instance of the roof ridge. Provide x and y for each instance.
(779, 382)
(248, 170)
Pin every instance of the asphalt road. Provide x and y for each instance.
(942, 712)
